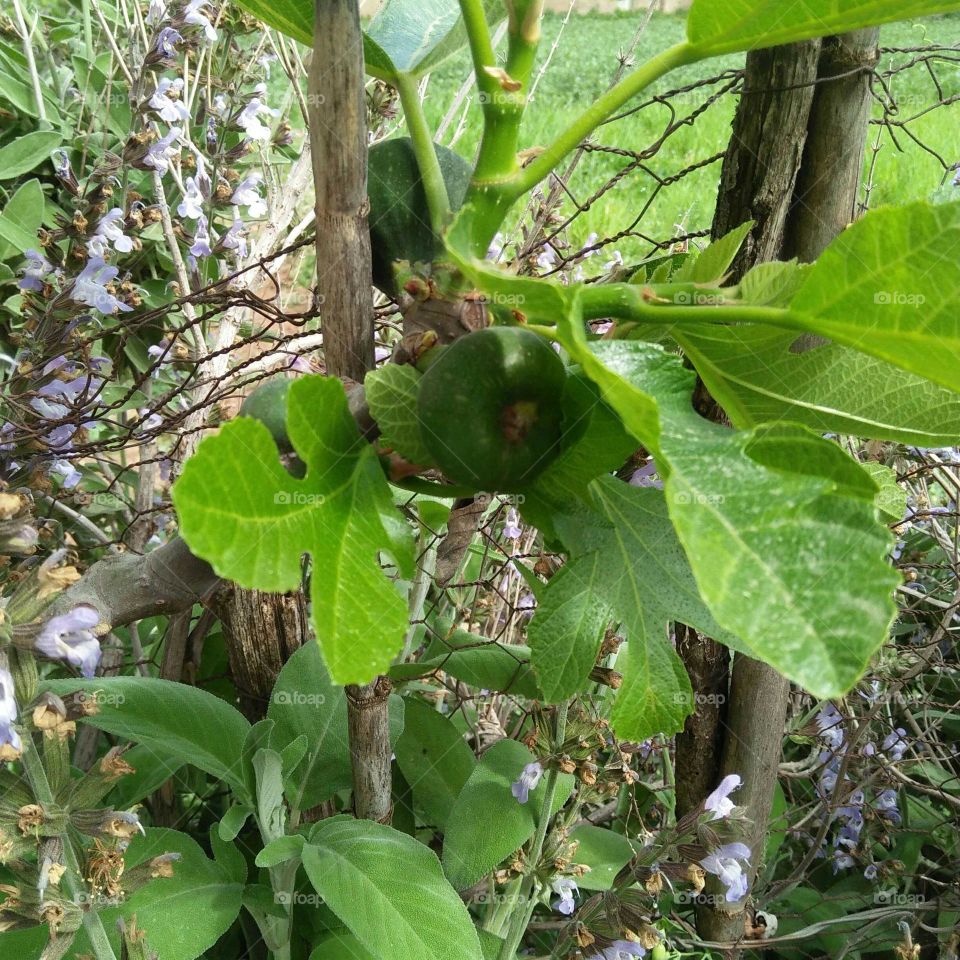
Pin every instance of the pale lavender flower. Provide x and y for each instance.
(495, 250)
(70, 637)
(527, 604)
(724, 862)
(233, 239)
(201, 240)
(157, 12)
(842, 859)
(64, 469)
(645, 476)
(620, 950)
(151, 421)
(165, 45)
(193, 15)
(90, 287)
(527, 781)
(247, 194)
(565, 888)
(110, 228)
(718, 802)
(870, 873)
(191, 206)
(616, 262)
(265, 62)
(830, 726)
(38, 266)
(9, 738)
(547, 258)
(165, 101)
(64, 172)
(511, 526)
(211, 133)
(160, 153)
(249, 120)
(887, 806)
(589, 242)
(895, 744)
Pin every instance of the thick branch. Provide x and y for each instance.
(126, 587)
(825, 198)
(338, 144)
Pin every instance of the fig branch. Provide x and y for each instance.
(422, 139)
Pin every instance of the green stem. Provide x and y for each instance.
(503, 908)
(628, 301)
(433, 183)
(598, 111)
(92, 924)
(481, 45)
(522, 919)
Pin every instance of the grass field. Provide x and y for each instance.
(582, 66)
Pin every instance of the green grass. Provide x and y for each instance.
(582, 67)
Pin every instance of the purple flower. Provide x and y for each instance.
(191, 206)
(547, 258)
(527, 781)
(193, 16)
(830, 726)
(10, 744)
(90, 287)
(842, 860)
(565, 888)
(64, 469)
(620, 950)
(166, 40)
(871, 872)
(201, 240)
(526, 605)
(38, 266)
(233, 239)
(150, 422)
(895, 744)
(166, 101)
(646, 475)
(112, 231)
(724, 862)
(249, 120)
(247, 194)
(157, 12)
(496, 247)
(718, 801)
(511, 526)
(887, 806)
(617, 261)
(160, 153)
(70, 637)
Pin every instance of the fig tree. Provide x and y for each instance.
(490, 408)
(399, 217)
(268, 404)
